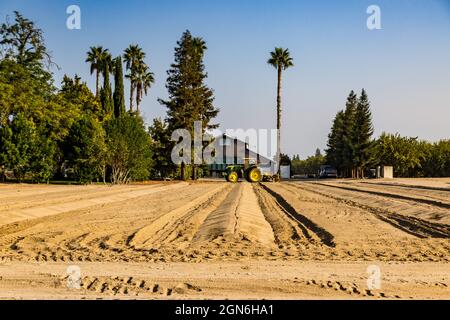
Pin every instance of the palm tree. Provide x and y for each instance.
(94, 57)
(106, 63)
(133, 57)
(199, 46)
(280, 59)
(143, 80)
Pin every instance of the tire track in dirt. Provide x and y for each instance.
(411, 225)
(308, 227)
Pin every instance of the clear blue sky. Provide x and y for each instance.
(405, 67)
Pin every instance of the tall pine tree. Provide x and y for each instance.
(349, 142)
(348, 136)
(190, 99)
(362, 134)
(335, 151)
(119, 96)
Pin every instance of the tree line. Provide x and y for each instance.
(309, 166)
(72, 133)
(352, 150)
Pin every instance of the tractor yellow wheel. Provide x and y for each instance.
(254, 175)
(232, 177)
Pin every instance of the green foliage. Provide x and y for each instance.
(404, 154)
(190, 99)
(85, 148)
(437, 162)
(129, 154)
(119, 95)
(285, 160)
(280, 59)
(106, 91)
(95, 57)
(362, 133)
(411, 157)
(350, 140)
(309, 166)
(42, 129)
(134, 60)
(23, 42)
(79, 97)
(161, 146)
(334, 153)
(143, 80)
(26, 150)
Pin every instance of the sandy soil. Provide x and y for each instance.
(219, 240)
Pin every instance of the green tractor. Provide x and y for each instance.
(251, 173)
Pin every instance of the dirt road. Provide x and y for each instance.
(221, 238)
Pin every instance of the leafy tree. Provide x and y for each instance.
(85, 148)
(119, 95)
(161, 145)
(437, 164)
(129, 154)
(6, 100)
(285, 160)
(94, 57)
(43, 159)
(26, 150)
(79, 97)
(309, 166)
(190, 99)
(23, 42)
(281, 60)
(403, 153)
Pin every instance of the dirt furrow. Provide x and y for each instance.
(25, 203)
(238, 218)
(286, 231)
(181, 231)
(96, 233)
(412, 198)
(149, 235)
(412, 225)
(309, 228)
(66, 205)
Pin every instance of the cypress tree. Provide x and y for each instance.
(106, 92)
(119, 96)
